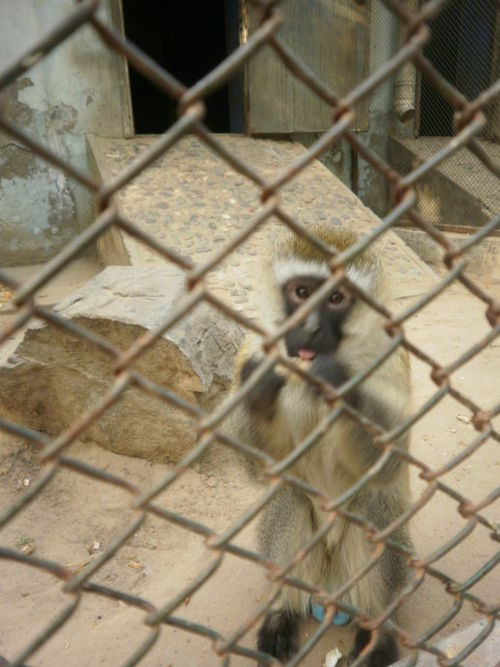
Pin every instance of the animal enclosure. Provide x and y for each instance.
(202, 607)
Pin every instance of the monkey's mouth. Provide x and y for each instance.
(307, 355)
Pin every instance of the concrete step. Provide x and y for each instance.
(483, 259)
(458, 193)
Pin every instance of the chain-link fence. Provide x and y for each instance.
(469, 124)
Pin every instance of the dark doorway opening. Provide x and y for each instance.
(462, 50)
(188, 39)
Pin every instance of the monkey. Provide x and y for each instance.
(337, 340)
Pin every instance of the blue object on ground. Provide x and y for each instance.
(318, 611)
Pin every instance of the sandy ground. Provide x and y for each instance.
(160, 559)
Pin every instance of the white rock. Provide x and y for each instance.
(333, 657)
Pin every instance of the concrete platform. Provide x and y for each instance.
(485, 655)
(193, 201)
(461, 192)
(483, 259)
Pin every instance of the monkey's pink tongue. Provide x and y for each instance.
(307, 354)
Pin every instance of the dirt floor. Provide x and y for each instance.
(75, 515)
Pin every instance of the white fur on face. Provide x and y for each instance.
(288, 269)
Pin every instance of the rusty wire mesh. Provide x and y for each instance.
(469, 120)
(455, 30)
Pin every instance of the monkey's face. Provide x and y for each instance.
(321, 331)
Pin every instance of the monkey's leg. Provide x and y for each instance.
(286, 526)
(377, 589)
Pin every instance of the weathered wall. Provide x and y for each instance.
(80, 87)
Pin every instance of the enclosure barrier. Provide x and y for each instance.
(469, 121)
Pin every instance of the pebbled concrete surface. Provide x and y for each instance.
(193, 201)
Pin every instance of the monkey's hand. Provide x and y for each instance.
(326, 367)
(262, 398)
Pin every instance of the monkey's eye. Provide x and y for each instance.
(302, 292)
(336, 299)
(299, 293)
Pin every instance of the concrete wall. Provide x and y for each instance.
(80, 87)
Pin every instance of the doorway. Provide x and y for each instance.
(188, 39)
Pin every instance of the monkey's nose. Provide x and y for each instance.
(312, 325)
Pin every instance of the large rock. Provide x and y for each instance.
(54, 377)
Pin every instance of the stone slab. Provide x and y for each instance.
(54, 377)
(193, 201)
(487, 654)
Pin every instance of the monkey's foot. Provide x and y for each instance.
(278, 634)
(385, 652)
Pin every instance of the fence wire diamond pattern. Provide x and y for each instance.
(469, 121)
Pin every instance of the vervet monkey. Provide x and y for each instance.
(340, 338)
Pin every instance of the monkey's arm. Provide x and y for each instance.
(258, 420)
(362, 398)
(375, 399)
